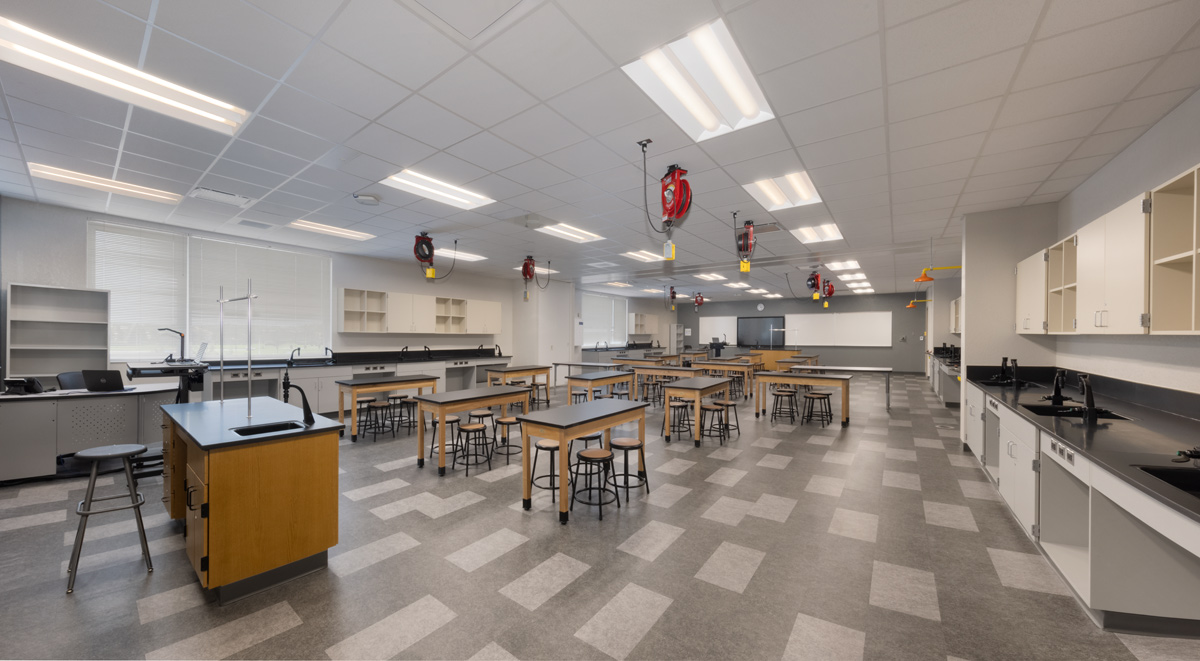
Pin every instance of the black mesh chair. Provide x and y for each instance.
(71, 381)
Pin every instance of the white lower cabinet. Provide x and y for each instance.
(973, 425)
(1018, 477)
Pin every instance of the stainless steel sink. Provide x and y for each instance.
(267, 428)
(1185, 479)
(1069, 411)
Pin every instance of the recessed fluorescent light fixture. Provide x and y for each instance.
(710, 276)
(864, 291)
(756, 291)
(565, 231)
(618, 284)
(451, 253)
(102, 184)
(827, 232)
(737, 285)
(601, 265)
(653, 291)
(772, 295)
(842, 266)
(436, 190)
(537, 269)
(858, 285)
(790, 190)
(342, 232)
(703, 83)
(643, 256)
(33, 50)
(846, 277)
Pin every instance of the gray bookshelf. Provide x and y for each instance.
(56, 329)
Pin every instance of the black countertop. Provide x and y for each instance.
(605, 365)
(792, 374)
(1149, 438)
(399, 378)
(518, 368)
(697, 383)
(809, 368)
(668, 368)
(366, 358)
(597, 376)
(210, 423)
(457, 396)
(562, 417)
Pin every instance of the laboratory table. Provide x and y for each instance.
(765, 379)
(366, 385)
(589, 381)
(565, 423)
(637, 361)
(599, 366)
(799, 360)
(669, 371)
(885, 371)
(519, 371)
(689, 356)
(746, 369)
(693, 389)
(457, 401)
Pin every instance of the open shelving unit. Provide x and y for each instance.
(56, 329)
(1173, 291)
(363, 311)
(450, 315)
(1061, 278)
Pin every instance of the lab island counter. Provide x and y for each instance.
(258, 495)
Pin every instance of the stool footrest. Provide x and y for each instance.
(116, 508)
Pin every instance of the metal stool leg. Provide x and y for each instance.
(137, 512)
(87, 507)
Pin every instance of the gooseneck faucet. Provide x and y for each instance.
(1089, 401)
(1060, 379)
(295, 352)
(1016, 383)
(499, 353)
(309, 418)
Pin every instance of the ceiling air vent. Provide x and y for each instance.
(220, 197)
(255, 224)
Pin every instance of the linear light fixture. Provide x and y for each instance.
(309, 226)
(643, 256)
(434, 189)
(842, 266)
(794, 189)
(710, 276)
(826, 232)
(565, 231)
(863, 284)
(846, 277)
(451, 253)
(39, 52)
(737, 285)
(540, 270)
(102, 184)
(864, 291)
(772, 295)
(618, 284)
(756, 291)
(653, 291)
(702, 82)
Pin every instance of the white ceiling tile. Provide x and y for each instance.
(169, 129)
(949, 37)
(938, 126)
(772, 33)
(269, 133)
(1044, 131)
(850, 115)
(584, 158)
(657, 23)
(931, 175)
(690, 158)
(709, 180)
(497, 187)
(1081, 167)
(1142, 112)
(851, 189)
(1179, 71)
(261, 157)
(1190, 41)
(151, 181)
(630, 176)
(489, 152)
(475, 91)
(666, 134)
(327, 74)
(604, 103)
(158, 168)
(72, 126)
(533, 201)
(312, 115)
(545, 53)
(334, 179)
(60, 144)
(943, 189)
(535, 174)
(424, 120)
(871, 201)
(293, 201)
(900, 11)
(850, 171)
(234, 185)
(1066, 15)
(368, 167)
(450, 169)
(846, 148)
(85, 23)
(1044, 198)
(925, 205)
(572, 191)
(842, 72)
(1061, 185)
(1093, 91)
(772, 165)
(313, 191)
(539, 131)
(248, 173)
(995, 194)
(236, 30)
(1136, 37)
(1025, 158)
(1011, 178)
(757, 140)
(50, 93)
(185, 64)
(306, 15)
(953, 86)
(1108, 143)
(393, 41)
(937, 153)
(388, 145)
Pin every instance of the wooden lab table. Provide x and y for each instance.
(786, 363)
(519, 371)
(366, 385)
(637, 361)
(592, 380)
(583, 366)
(689, 356)
(694, 389)
(669, 371)
(745, 369)
(567, 422)
(765, 379)
(667, 358)
(457, 401)
(885, 371)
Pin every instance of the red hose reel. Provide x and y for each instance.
(676, 195)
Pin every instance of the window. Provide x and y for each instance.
(145, 272)
(605, 319)
(292, 309)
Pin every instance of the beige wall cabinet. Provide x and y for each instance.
(1031, 294)
(1173, 256)
(483, 317)
(399, 312)
(1112, 272)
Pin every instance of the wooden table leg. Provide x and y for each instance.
(845, 403)
(569, 386)
(441, 441)
(354, 415)
(696, 421)
(564, 469)
(666, 416)
(342, 410)
(527, 486)
(642, 440)
(421, 436)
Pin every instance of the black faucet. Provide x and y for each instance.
(1015, 381)
(295, 352)
(332, 358)
(428, 355)
(402, 352)
(1003, 375)
(498, 352)
(309, 419)
(606, 345)
(1089, 402)
(1060, 379)
(479, 351)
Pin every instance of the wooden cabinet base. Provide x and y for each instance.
(231, 592)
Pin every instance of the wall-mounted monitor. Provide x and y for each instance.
(760, 331)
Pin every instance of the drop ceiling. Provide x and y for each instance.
(906, 115)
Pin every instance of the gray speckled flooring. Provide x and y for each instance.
(879, 541)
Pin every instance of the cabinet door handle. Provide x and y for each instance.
(190, 491)
(1104, 318)
(1096, 319)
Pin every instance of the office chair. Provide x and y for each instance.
(71, 381)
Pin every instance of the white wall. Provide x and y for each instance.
(943, 291)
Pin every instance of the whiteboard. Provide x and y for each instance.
(721, 327)
(810, 330)
(840, 329)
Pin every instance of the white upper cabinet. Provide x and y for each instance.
(1112, 272)
(424, 314)
(1031, 294)
(483, 317)
(399, 312)
(1091, 272)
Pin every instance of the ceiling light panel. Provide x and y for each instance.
(36, 51)
(439, 191)
(618, 284)
(101, 184)
(710, 276)
(772, 295)
(653, 291)
(756, 291)
(538, 269)
(737, 285)
(846, 277)
(703, 83)
(864, 291)
(450, 253)
(827, 232)
(565, 231)
(791, 190)
(643, 256)
(342, 232)
(842, 266)
(858, 285)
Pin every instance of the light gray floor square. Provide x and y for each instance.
(784, 428)
(500, 472)
(682, 445)
(406, 461)
(480, 552)
(813, 639)
(30, 520)
(768, 443)
(880, 431)
(836, 457)
(929, 443)
(116, 528)
(979, 490)
(901, 455)
(675, 466)
(164, 604)
(1026, 571)
(900, 423)
(621, 624)
(232, 637)
(729, 511)
(493, 652)
(825, 485)
(950, 516)
(777, 461)
(394, 633)
(665, 495)
(963, 461)
(901, 480)
(872, 446)
(820, 440)
(92, 561)
(345, 564)
(375, 489)
(726, 477)
(539, 584)
(731, 567)
(649, 542)
(773, 508)
(724, 454)
(948, 433)
(1154, 648)
(855, 525)
(905, 590)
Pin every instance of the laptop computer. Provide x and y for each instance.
(103, 381)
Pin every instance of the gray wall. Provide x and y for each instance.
(907, 353)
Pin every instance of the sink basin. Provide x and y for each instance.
(1009, 384)
(268, 428)
(1187, 479)
(1069, 411)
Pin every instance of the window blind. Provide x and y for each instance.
(605, 319)
(146, 273)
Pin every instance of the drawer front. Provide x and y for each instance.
(1021, 428)
(196, 522)
(1065, 456)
